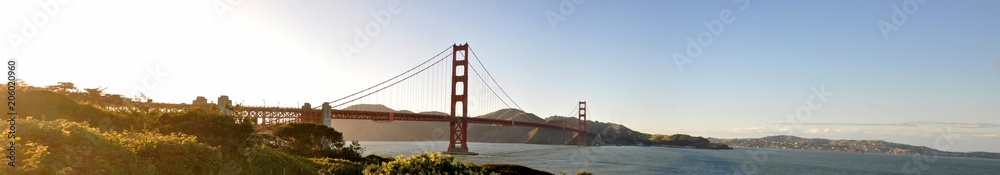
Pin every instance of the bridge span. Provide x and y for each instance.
(457, 70)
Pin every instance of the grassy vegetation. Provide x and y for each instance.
(427, 163)
(61, 131)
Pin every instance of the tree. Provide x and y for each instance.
(313, 140)
(94, 95)
(63, 87)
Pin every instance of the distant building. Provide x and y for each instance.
(200, 101)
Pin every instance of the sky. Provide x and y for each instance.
(924, 73)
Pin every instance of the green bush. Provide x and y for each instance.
(426, 163)
(217, 129)
(169, 154)
(64, 147)
(264, 160)
(375, 159)
(48, 105)
(338, 166)
(512, 169)
(313, 140)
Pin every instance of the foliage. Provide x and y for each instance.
(313, 140)
(48, 105)
(338, 166)
(169, 154)
(230, 132)
(63, 87)
(211, 127)
(71, 134)
(65, 147)
(88, 95)
(375, 159)
(264, 160)
(424, 164)
(512, 169)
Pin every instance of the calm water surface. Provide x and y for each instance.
(661, 160)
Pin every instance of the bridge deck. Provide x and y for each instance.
(272, 116)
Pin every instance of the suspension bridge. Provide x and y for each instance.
(418, 87)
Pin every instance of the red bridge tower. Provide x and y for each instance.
(458, 141)
(582, 136)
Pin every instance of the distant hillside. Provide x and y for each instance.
(512, 114)
(610, 133)
(857, 146)
(389, 131)
(373, 107)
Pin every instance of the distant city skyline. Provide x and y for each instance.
(916, 72)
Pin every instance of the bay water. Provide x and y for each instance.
(664, 160)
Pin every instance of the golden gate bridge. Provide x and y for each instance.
(458, 118)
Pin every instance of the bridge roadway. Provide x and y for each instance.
(271, 116)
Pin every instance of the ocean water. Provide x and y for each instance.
(662, 160)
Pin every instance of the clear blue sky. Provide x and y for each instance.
(940, 70)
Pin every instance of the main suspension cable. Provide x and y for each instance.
(390, 79)
(397, 82)
(494, 80)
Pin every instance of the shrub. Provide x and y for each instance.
(375, 159)
(48, 105)
(313, 140)
(512, 169)
(338, 166)
(211, 127)
(424, 164)
(65, 147)
(169, 154)
(264, 160)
